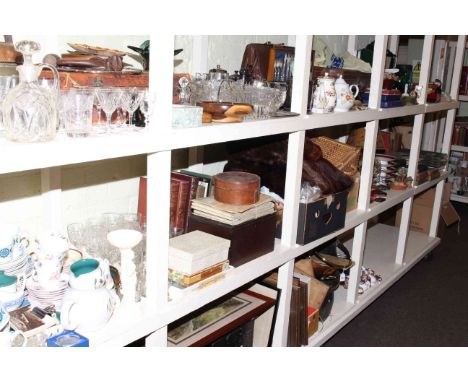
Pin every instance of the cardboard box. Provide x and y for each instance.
(421, 214)
(321, 217)
(313, 320)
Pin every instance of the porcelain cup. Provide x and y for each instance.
(12, 301)
(9, 236)
(51, 246)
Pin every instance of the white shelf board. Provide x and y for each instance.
(63, 150)
(460, 148)
(441, 106)
(463, 98)
(379, 254)
(459, 198)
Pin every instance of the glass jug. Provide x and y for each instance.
(30, 110)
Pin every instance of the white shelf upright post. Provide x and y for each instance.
(370, 140)
(199, 65)
(158, 183)
(300, 88)
(415, 147)
(450, 120)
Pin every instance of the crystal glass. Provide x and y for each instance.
(78, 113)
(30, 110)
(5, 85)
(133, 98)
(109, 99)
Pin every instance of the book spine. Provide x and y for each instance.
(192, 195)
(173, 202)
(142, 193)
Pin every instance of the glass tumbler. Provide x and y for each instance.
(78, 113)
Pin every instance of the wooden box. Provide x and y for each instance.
(236, 187)
(248, 240)
(104, 79)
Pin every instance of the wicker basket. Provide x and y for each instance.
(344, 157)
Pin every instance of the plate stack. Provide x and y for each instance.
(387, 169)
(21, 262)
(47, 293)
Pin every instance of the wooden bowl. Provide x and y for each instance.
(221, 111)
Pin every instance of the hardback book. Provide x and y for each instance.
(142, 195)
(196, 250)
(184, 280)
(189, 195)
(204, 183)
(182, 206)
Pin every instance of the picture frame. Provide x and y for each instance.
(219, 319)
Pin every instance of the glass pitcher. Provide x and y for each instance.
(30, 110)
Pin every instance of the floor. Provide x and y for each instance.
(426, 307)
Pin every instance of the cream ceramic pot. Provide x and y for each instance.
(324, 95)
(344, 95)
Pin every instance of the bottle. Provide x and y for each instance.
(30, 110)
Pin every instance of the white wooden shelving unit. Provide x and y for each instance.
(455, 197)
(389, 250)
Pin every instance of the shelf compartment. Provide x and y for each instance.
(379, 254)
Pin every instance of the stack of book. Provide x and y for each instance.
(185, 186)
(196, 256)
(230, 214)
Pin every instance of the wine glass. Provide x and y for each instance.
(132, 100)
(145, 106)
(108, 99)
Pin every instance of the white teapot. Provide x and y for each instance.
(344, 95)
(324, 95)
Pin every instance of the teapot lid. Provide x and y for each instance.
(218, 70)
(326, 77)
(341, 81)
(6, 280)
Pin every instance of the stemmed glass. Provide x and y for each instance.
(109, 100)
(133, 98)
(145, 106)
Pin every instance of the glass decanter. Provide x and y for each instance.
(30, 110)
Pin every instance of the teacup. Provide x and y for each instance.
(51, 246)
(12, 301)
(11, 284)
(46, 270)
(9, 237)
(86, 274)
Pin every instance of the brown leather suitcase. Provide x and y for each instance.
(248, 240)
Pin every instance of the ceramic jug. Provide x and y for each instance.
(324, 95)
(87, 310)
(344, 95)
